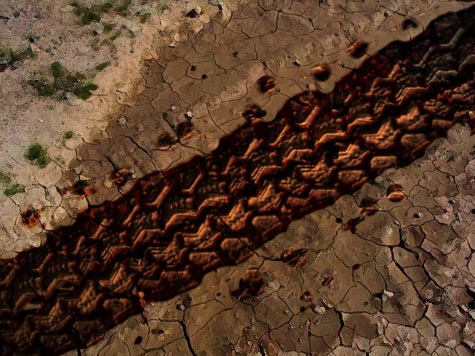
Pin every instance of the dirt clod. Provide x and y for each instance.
(321, 72)
(358, 49)
(250, 285)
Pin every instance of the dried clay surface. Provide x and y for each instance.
(379, 292)
(370, 274)
(401, 283)
(192, 91)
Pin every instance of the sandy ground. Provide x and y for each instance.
(333, 303)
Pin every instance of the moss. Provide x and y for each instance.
(34, 151)
(103, 65)
(14, 189)
(37, 154)
(68, 135)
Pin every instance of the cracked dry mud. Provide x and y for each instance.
(393, 279)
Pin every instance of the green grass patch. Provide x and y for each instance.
(68, 135)
(63, 82)
(103, 65)
(188, 25)
(131, 33)
(14, 189)
(37, 154)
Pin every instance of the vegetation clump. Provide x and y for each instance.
(11, 188)
(4, 178)
(63, 82)
(68, 135)
(14, 189)
(37, 154)
(162, 5)
(123, 7)
(9, 57)
(144, 16)
(103, 65)
(108, 26)
(84, 91)
(90, 14)
(32, 38)
(94, 12)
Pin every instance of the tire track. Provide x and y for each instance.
(171, 228)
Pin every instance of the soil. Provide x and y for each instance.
(263, 178)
